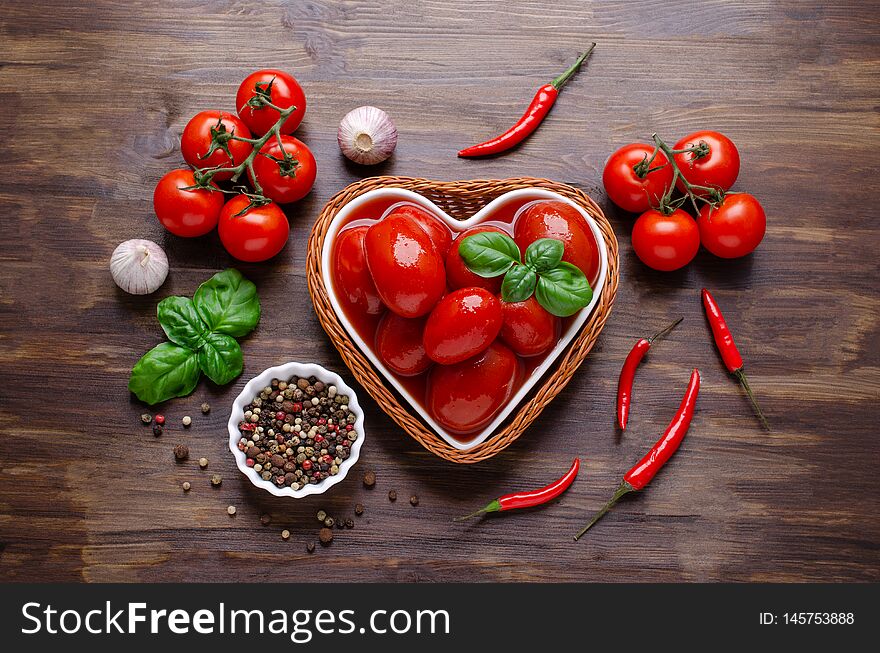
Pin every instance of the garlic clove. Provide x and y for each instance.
(139, 266)
(367, 135)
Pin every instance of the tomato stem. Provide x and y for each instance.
(715, 194)
(204, 176)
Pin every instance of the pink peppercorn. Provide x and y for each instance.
(328, 459)
(307, 465)
(346, 443)
(322, 421)
(249, 462)
(348, 427)
(319, 438)
(297, 407)
(160, 419)
(279, 439)
(279, 415)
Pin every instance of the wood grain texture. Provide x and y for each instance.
(94, 97)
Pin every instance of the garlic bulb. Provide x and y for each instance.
(366, 135)
(139, 266)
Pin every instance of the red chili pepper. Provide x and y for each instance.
(729, 353)
(644, 470)
(532, 498)
(628, 372)
(538, 109)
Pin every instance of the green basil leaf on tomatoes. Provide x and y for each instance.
(489, 254)
(220, 359)
(519, 284)
(545, 254)
(228, 303)
(564, 290)
(164, 372)
(181, 322)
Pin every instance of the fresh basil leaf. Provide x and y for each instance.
(166, 371)
(489, 254)
(519, 284)
(181, 322)
(545, 254)
(564, 290)
(220, 358)
(228, 303)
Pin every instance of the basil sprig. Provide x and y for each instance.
(558, 286)
(202, 331)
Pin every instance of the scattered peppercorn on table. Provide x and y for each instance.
(96, 486)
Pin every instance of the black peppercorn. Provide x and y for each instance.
(325, 535)
(181, 452)
(157, 430)
(392, 495)
(359, 509)
(369, 479)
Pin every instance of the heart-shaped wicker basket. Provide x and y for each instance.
(460, 199)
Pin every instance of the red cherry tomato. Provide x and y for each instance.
(285, 182)
(284, 92)
(560, 220)
(717, 169)
(186, 213)
(665, 242)
(406, 267)
(458, 275)
(399, 344)
(466, 396)
(351, 274)
(733, 229)
(437, 231)
(625, 188)
(528, 329)
(462, 325)
(255, 236)
(196, 141)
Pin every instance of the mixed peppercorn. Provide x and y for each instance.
(297, 432)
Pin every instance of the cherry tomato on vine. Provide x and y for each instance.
(717, 169)
(257, 235)
(665, 242)
(733, 229)
(186, 213)
(283, 180)
(625, 188)
(197, 137)
(281, 89)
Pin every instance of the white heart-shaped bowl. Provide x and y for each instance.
(284, 372)
(484, 214)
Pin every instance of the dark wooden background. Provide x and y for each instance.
(94, 96)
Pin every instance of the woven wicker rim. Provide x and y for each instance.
(460, 199)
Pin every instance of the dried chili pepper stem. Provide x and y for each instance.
(532, 498)
(638, 477)
(729, 353)
(534, 115)
(628, 372)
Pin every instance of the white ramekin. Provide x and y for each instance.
(283, 373)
